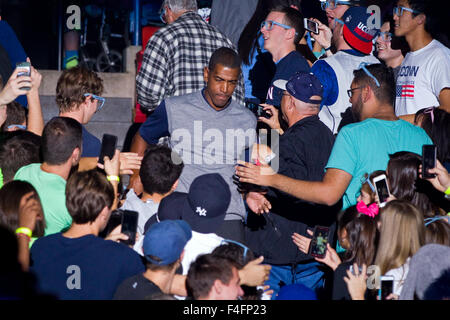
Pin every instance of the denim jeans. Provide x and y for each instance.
(307, 274)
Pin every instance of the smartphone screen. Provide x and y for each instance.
(382, 189)
(428, 160)
(129, 226)
(318, 247)
(387, 287)
(311, 26)
(109, 143)
(25, 70)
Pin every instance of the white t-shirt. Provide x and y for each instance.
(200, 243)
(399, 275)
(422, 76)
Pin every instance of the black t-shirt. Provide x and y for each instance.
(136, 287)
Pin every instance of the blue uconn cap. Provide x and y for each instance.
(302, 86)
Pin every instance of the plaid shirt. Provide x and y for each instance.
(174, 60)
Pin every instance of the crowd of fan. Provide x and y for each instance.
(343, 106)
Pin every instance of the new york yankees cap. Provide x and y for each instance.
(204, 207)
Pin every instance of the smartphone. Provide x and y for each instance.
(258, 110)
(311, 25)
(428, 160)
(382, 189)
(129, 226)
(386, 286)
(25, 70)
(109, 143)
(318, 246)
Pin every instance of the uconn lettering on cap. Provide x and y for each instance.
(363, 31)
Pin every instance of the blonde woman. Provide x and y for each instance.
(401, 236)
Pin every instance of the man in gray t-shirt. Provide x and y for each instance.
(208, 130)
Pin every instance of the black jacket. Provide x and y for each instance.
(304, 150)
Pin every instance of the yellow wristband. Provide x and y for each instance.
(113, 178)
(25, 231)
(447, 192)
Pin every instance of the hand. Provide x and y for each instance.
(111, 166)
(324, 36)
(36, 79)
(254, 273)
(356, 283)
(331, 258)
(129, 161)
(259, 175)
(136, 184)
(301, 242)
(257, 202)
(116, 235)
(12, 88)
(392, 296)
(30, 210)
(273, 120)
(442, 180)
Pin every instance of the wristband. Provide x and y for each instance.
(25, 231)
(113, 178)
(329, 48)
(447, 193)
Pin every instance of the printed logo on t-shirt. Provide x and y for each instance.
(408, 71)
(405, 90)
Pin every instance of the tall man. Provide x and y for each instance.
(424, 76)
(303, 153)
(209, 131)
(176, 54)
(360, 148)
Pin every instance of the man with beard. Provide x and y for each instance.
(360, 148)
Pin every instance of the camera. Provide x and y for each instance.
(258, 110)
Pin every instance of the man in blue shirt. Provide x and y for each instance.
(282, 30)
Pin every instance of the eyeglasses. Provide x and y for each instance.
(350, 91)
(100, 99)
(162, 16)
(338, 20)
(331, 4)
(363, 67)
(384, 36)
(268, 24)
(399, 11)
(226, 241)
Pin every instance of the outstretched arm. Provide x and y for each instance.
(328, 191)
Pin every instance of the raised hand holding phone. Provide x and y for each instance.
(428, 160)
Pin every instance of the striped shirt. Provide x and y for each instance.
(174, 60)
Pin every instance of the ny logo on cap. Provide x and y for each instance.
(348, 19)
(201, 212)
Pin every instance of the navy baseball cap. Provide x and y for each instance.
(356, 32)
(165, 241)
(302, 86)
(204, 207)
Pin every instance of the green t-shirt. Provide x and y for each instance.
(51, 189)
(365, 147)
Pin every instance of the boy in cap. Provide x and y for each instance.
(204, 208)
(353, 41)
(163, 249)
(304, 150)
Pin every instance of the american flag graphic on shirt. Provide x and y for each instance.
(405, 91)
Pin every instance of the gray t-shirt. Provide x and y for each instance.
(210, 141)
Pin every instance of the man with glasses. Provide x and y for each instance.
(78, 97)
(176, 54)
(359, 148)
(424, 76)
(282, 30)
(353, 41)
(390, 48)
(303, 153)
